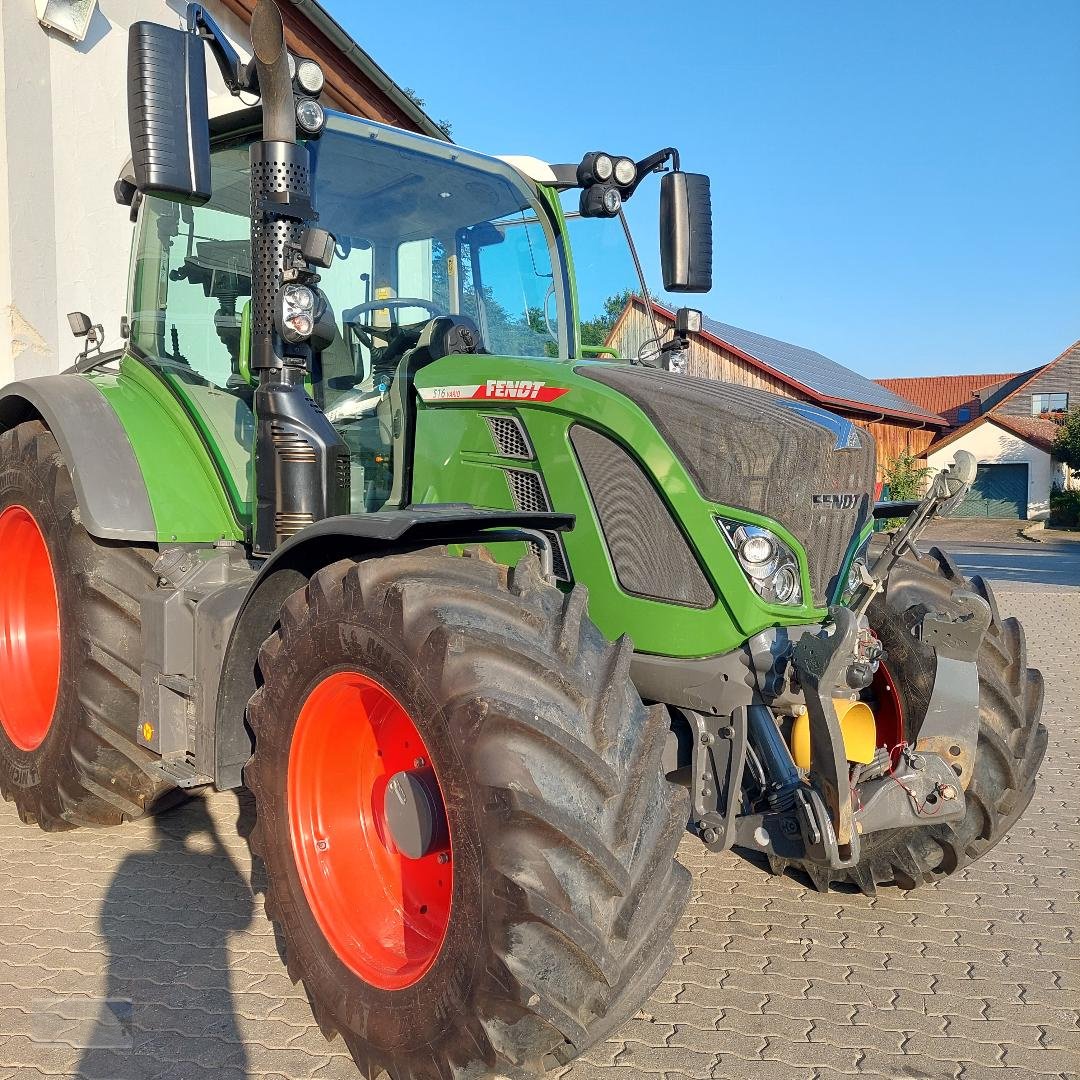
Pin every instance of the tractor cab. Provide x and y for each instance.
(421, 230)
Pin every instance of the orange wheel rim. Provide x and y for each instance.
(29, 630)
(888, 712)
(385, 915)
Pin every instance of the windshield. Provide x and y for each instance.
(455, 232)
(604, 270)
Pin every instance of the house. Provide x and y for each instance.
(727, 352)
(63, 139)
(1008, 421)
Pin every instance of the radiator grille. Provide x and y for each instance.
(509, 437)
(529, 495)
(648, 550)
(757, 451)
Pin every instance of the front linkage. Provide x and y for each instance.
(747, 789)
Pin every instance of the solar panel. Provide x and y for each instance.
(814, 371)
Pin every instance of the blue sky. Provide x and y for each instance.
(896, 185)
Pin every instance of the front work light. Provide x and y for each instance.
(309, 77)
(600, 200)
(625, 172)
(769, 564)
(595, 168)
(310, 115)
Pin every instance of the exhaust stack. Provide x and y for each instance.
(301, 463)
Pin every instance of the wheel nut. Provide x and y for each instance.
(710, 836)
(443, 858)
(947, 791)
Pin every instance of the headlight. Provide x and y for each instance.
(310, 115)
(855, 570)
(769, 564)
(297, 313)
(625, 172)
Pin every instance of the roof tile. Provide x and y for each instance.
(946, 394)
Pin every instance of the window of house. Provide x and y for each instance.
(963, 415)
(1049, 403)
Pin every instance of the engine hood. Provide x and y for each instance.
(810, 470)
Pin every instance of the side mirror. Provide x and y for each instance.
(168, 114)
(686, 232)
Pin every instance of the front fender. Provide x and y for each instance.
(229, 687)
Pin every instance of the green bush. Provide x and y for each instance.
(1064, 507)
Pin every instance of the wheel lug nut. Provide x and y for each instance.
(443, 858)
(419, 763)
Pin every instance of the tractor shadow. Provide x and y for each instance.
(245, 826)
(166, 921)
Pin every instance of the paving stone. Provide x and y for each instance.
(973, 978)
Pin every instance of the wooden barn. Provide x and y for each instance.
(726, 352)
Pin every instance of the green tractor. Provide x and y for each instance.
(325, 524)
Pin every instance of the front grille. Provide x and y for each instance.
(529, 495)
(509, 437)
(756, 451)
(648, 550)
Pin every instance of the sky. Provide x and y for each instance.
(896, 185)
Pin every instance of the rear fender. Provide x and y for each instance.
(113, 500)
(227, 680)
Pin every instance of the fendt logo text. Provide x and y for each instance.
(521, 389)
(836, 500)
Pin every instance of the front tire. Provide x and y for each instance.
(1011, 740)
(70, 650)
(559, 860)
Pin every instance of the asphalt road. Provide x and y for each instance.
(1023, 565)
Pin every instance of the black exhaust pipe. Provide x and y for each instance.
(301, 463)
(272, 64)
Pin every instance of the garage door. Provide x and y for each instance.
(999, 491)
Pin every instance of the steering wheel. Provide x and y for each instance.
(367, 332)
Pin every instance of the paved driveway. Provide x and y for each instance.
(978, 977)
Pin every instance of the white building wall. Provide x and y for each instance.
(64, 242)
(992, 445)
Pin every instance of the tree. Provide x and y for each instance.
(905, 477)
(1066, 447)
(595, 331)
(418, 101)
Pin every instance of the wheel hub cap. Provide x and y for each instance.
(368, 831)
(29, 630)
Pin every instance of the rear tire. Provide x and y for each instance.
(563, 827)
(83, 765)
(1011, 741)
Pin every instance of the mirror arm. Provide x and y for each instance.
(238, 76)
(653, 163)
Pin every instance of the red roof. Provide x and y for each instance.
(1036, 430)
(1033, 429)
(945, 394)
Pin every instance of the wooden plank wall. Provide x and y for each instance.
(708, 360)
(1060, 377)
